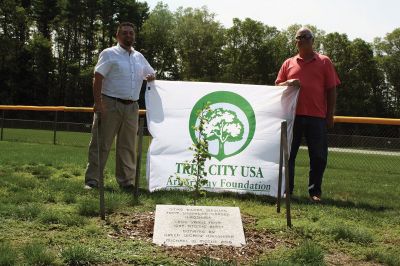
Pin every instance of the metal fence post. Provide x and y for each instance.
(278, 204)
(139, 159)
(55, 129)
(286, 163)
(2, 124)
(101, 170)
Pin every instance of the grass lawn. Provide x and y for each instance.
(46, 218)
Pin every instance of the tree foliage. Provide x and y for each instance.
(251, 52)
(159, 42)
(199, 39)
(388, 56)
(48, 49)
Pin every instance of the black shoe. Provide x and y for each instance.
(128, 188)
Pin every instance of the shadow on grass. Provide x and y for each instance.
(341, 204)
(185, 197)
(180, 197)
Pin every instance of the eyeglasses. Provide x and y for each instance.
(304, 37)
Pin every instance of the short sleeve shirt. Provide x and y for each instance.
(123, 72)
(316, 77)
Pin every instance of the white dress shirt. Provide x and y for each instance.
(123, 72)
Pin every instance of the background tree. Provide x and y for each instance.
(43, 13)
(159, 42)
(248, 53)
(42, 70)
(388, 56)
(48, 49)
(337, 47)
(15, 70)
(199, 40)
(367, 81)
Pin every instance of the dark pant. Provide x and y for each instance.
(315, 132)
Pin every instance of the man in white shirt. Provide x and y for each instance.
(118, 78)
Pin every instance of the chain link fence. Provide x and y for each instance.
(375, 147)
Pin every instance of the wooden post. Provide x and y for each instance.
(101, 176)
(286, 163)
(278, 203)
(139, 159)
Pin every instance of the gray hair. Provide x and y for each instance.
(306, 30)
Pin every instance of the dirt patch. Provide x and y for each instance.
(339, 258)
(139, 226)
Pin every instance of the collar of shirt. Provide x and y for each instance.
(298, 58)
(122, 50)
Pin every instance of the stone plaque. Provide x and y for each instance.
(180, 225)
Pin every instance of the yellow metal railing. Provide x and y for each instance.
(338, 119)
(52, 108)
(142, 112)
(367, 120)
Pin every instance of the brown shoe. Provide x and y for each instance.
(315, 199)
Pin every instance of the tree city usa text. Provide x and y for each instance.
(234, 171)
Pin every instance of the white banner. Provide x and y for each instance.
(244, 141)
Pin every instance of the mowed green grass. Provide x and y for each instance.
(46, 218)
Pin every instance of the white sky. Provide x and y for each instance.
(365, 19)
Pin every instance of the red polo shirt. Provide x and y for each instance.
(316, 77)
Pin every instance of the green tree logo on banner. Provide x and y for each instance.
(231, 123)
(224, 126)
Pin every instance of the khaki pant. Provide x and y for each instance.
(119, 120)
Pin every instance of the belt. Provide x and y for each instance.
(120, 100)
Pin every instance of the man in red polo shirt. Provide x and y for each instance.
(316, 77)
